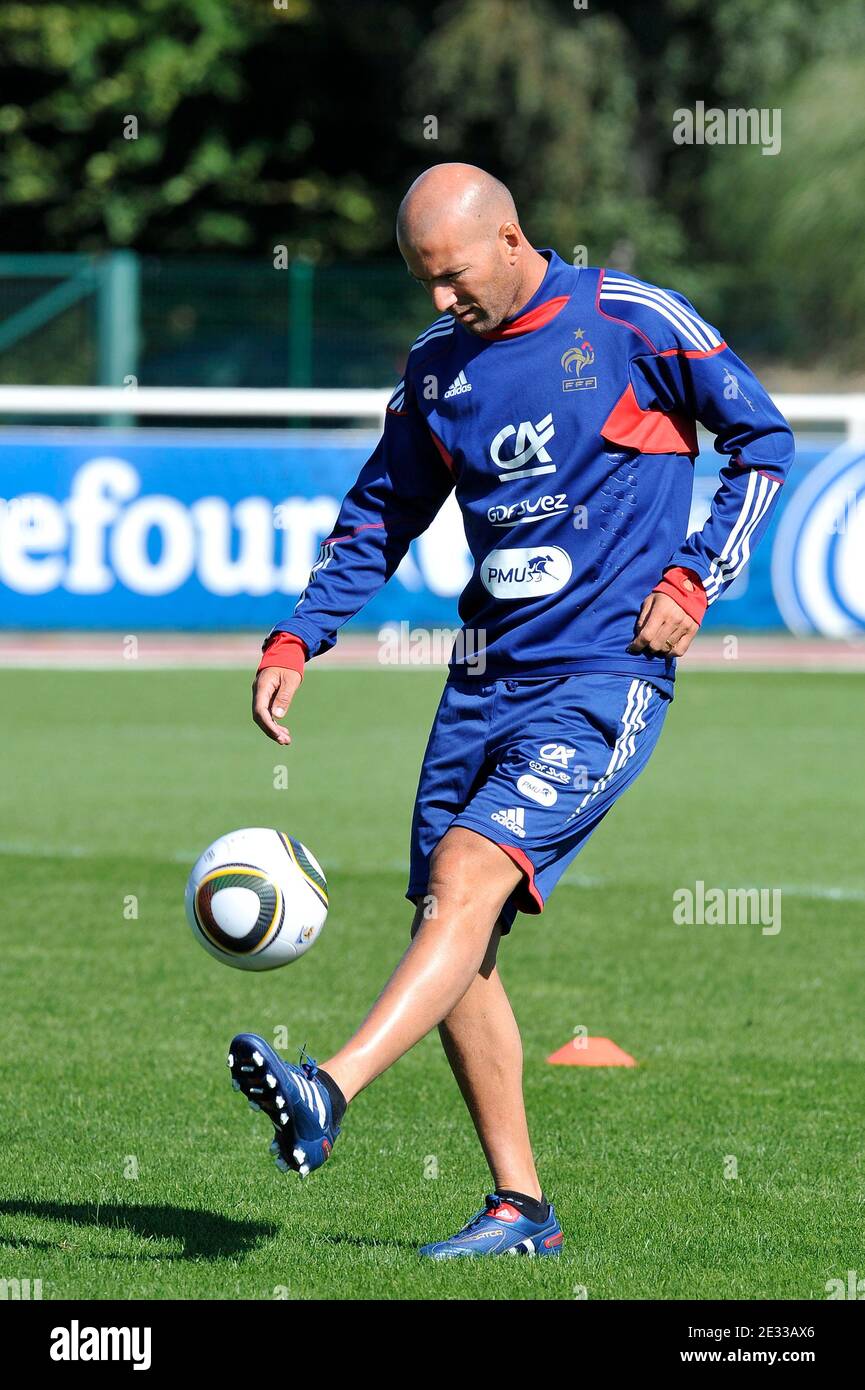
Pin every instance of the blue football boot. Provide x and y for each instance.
(500, 1229)
(297, 1105)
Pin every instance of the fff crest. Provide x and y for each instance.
(575, 359)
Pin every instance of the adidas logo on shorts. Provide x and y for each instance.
(513, 819)
(458, 386)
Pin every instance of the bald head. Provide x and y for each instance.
(459, 235)
(461, 194)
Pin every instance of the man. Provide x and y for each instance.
(560, 404)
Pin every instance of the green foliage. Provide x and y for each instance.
(556, 121)
(805, 258)
(234, 126)
(129, 125)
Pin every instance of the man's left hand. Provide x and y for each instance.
(663, 628)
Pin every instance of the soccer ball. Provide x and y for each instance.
(256, 899)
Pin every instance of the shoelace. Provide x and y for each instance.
(310, 1066)
(492, 1201)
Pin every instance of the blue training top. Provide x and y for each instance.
(569, 437)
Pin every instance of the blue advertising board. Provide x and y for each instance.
(218, 530)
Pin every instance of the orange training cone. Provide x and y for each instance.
(591, 1052)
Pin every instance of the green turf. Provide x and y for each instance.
(748, 1045)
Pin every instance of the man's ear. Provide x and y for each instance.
(510, 234)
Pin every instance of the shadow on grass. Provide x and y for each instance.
(202, 1234)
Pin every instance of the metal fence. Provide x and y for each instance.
(122, 319)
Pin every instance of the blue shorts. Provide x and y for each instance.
(533, 765)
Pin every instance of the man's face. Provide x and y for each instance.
(472, 280)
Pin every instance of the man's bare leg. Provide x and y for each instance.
(470, 881)
(482, 1043)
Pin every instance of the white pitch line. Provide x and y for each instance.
(32, 850)
(819, 890)
(827, 892)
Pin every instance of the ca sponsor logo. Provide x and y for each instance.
(541, 792)
(553, 773)
(526, 510)
(526, 573)
(530, 443)
(558, 753)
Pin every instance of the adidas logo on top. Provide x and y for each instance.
(458, 386)
(514, 819)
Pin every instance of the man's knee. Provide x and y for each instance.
(467, 871)
(425, 909)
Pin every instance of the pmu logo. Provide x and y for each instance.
(538, 791)
(530, 443)
(525, 573)
(818, 560)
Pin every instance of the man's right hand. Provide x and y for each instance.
(272, 692)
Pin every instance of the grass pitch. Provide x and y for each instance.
(727, 1164)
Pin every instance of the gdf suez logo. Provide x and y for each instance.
(530, 443)
(556, 763)
(528, 510)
